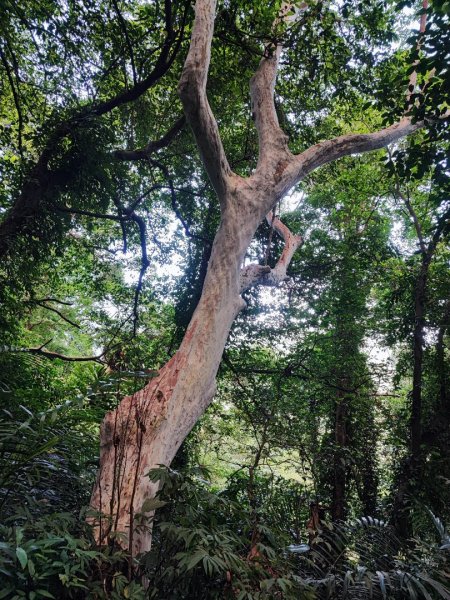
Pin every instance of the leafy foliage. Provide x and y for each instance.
(204, 547)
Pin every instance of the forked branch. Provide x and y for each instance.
(277, 162)
(252, 275)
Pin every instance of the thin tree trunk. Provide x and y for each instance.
(444, 395)
(418, 344)
(412, 467)
(339, 459)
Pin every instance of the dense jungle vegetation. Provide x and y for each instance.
(321, 469)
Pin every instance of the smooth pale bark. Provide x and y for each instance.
(147, 429)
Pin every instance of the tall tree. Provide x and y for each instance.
(148, 427)
(426, 205)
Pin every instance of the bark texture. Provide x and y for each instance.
(148, 427)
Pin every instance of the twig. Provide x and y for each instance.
(138, 200)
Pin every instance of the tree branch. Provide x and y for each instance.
(343, 145)
(41, 180)
(173, 197)
(152, 146)
(123, 26)
(139, 199)
(192, 91)
(413, 77)
(407, 202)
(291, 170)
(56, 355)
(125, 214)
(263, 275)
(15, 93)
(145, 263)
(54, 300)
(273, 142)
(162, 65)
(90, 213)
(56, 311)
(413, 215)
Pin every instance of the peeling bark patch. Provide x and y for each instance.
(190, 332)
(281, 167)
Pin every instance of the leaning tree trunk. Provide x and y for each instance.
(147, 428)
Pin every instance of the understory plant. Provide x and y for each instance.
(208, 545)
(46, 546)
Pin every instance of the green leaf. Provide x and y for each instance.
(152, 504)
(22, 556)
(195, 558)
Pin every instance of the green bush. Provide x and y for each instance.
(46, 546)
(208, 546)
